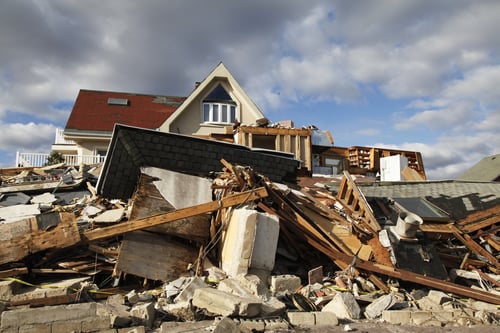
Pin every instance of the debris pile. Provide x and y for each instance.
(238, 252)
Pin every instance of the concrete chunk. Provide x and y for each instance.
(46, 314)
(144, 314)
(344, 306)
(110, 216)
(382, 303)
(187, 292)
(285, 283)
(225, 304)
(301, 318)
(439, 297)
(250, 241)
(226, 325)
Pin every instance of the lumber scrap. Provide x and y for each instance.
(352, 198)
(411, 277)
(122, 228)
(148, 201)
(154, 257)
(21, 238)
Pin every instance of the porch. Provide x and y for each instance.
(40, 159)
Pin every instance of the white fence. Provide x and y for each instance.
(39, 159)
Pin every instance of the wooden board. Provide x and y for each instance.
(122, 228)
(148, 201)
(154, 257)
(21, 238)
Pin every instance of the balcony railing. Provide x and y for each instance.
(60, 140)
(40, 159)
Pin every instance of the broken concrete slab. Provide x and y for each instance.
(344, 306)
(18, 212)
(375, 309)
(250, 241)
(188, 289)
(44, 199)
(225, 304)
(226, 325)
(110, 216)
(143, 314)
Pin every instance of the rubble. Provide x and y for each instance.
(236, 252)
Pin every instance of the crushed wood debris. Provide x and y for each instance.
(235, 251)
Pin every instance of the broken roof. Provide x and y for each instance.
(98, 111)
(488, 169)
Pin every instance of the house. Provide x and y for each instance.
(217, 108)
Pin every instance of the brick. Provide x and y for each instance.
(325, 318)
(47, 313)
(275, 324)
(283, 283)
(301, 318)
(252, 325)
(225, 304)
(443, 316)
(397, 317)
(419, 317)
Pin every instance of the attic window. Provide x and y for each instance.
(218, 107)
(118, 101)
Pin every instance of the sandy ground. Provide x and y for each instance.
(387, 328)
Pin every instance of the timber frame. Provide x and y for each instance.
(290, 140)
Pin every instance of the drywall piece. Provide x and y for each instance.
(250, 241)
(179, 189)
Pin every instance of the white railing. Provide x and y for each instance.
(60, 140)
(40, 159)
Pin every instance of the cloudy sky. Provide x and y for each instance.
(415, 75)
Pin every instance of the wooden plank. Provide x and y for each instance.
(63, 235)
(476, 248)
(412, 277)
(13, 272)
(118, 229)
(21, 238)
(154, 257)
(363, 204)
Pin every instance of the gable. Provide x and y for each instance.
(219, 85)
(99, 111)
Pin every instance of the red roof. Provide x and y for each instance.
(100, 110)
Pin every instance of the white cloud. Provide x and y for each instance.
(31, 136)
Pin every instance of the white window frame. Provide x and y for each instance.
(217, 111)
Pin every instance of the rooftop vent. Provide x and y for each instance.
(118, 101)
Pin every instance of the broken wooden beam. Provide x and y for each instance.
(408, 276)
(121, 228)
(351, 197)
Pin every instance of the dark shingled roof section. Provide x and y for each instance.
(92, 112)
(132, 147)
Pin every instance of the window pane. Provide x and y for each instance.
(233, 114)
(224, 113)
(206, 112)
(215, 112)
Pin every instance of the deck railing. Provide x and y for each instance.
(40, 159)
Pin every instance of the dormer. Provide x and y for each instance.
(213, 106)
